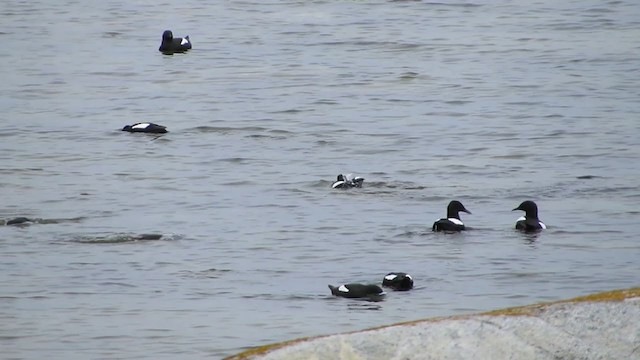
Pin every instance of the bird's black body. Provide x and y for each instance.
(398, 281)
(146, 128)
(18, 221)
(452, 222)
(358, 291)
(529, 222)
(172, 45)
(347, 181)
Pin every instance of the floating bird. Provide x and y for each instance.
(452, 222)
(172, 45)
(398, 281)
(358, 291)
(18, 221)
(146, 128)
(529, 222)
(347, 181)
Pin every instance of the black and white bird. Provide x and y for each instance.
(347, 181)
(172, 45)
(145, 128)
(398, 281)
(358, 291)
(452, 222)
(529, 222)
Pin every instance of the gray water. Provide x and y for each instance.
(487, 102)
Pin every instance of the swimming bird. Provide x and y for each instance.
(146, 128)
(347, 181)
(529, 222)
(172, 45)
(148, 237)
(398, 281)
(452, 222)
(358, 291)
(18, 221)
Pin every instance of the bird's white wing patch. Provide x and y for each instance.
(455, 221)
(521, 218)
(141, 126)
(390, 277)
(409, 276)
(343, 289)
(542, 225)
(337, 184)
(184, 41)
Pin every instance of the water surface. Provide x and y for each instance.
(485, 102)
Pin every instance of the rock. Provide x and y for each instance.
(598, 326)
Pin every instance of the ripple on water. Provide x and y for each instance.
(120, 238)
(212, 273)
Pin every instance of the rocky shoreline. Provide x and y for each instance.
(603, 325)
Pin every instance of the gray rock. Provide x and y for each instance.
(585, 330)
